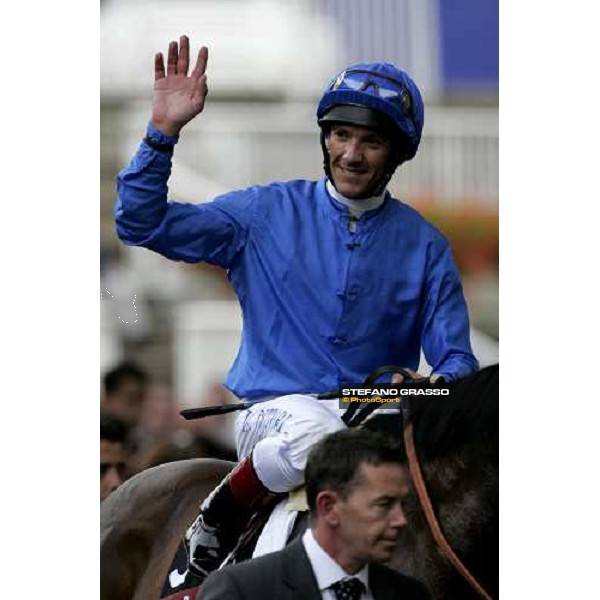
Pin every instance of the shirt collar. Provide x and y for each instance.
(356, 207)
(326, 570)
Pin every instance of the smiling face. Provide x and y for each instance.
(357, 159)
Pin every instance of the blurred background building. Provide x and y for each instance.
(269, 62)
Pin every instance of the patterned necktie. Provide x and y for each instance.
(348, 589)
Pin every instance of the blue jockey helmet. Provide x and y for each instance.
(376, 95)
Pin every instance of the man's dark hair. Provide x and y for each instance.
(334, 462)
(126, 370)
(112, 429)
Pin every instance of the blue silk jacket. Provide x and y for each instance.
(321, 305)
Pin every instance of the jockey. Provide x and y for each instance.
(335, 277)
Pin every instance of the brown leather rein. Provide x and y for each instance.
(434, 526)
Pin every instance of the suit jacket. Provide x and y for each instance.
(288, 575)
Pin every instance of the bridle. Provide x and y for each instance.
(354, 417)
(434, 526)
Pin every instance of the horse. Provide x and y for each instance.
(456, 438)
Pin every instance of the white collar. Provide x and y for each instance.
(326, 570)
(356, 207)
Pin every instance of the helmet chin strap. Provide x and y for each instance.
(383, 183)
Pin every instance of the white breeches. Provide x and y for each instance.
(280, 434)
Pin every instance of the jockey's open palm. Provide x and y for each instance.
(178, 98)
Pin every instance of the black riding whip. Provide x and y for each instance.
(222, 409)
(208, 411)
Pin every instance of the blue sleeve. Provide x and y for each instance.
(445, 335)
(214, 232)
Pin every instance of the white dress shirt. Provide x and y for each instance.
(327, 571)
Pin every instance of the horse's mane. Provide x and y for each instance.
(468, 416)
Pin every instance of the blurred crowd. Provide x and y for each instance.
(140, 426)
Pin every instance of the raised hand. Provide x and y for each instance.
(177, 97)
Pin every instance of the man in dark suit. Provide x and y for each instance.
(355, 485)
